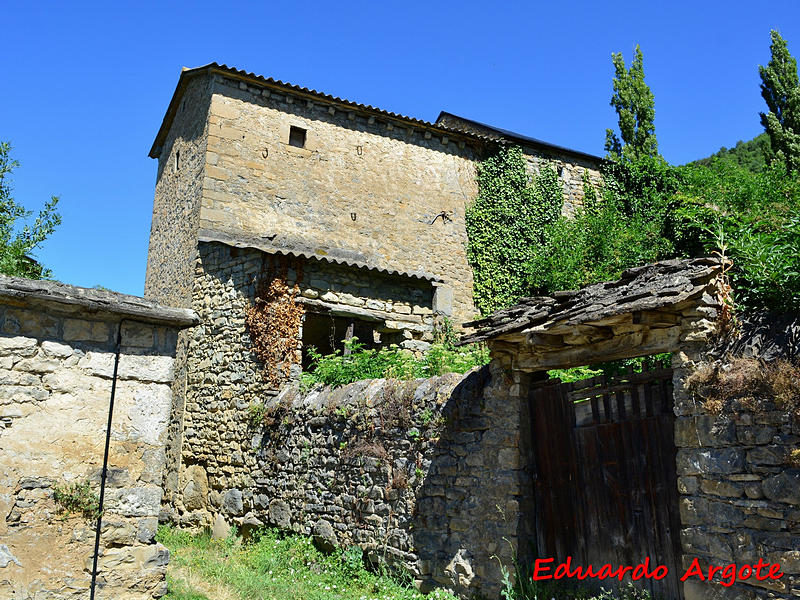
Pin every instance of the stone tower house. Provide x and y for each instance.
(360, 210)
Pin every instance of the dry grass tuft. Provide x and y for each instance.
(372, 448)
(750, 382)
(195, 582)
(399, 480)
(395, 411)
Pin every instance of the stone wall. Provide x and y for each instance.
(173, 232)
(57, 350)
(394, 179)
(224, 376)
(740, 491)
(389, 189)
(176, 207)
(424, 474)
(570, 171)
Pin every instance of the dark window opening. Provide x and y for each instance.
(297, 137)
(326, 334)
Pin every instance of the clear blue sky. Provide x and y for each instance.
(84, 87)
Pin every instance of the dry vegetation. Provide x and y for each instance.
(753, 384)
(366, 447)
(274, 320)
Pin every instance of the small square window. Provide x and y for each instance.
(297, 137)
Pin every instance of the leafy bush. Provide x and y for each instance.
(628, 224)
(595, 246)
(77, 498)
(337, 369)
(756, 218)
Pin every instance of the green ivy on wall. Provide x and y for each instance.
(507, 225)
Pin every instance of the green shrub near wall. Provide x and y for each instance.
(520, 244)
(507, 225)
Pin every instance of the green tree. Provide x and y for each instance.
(781, 91)
(635, 106)
(17, 244)
(751, 154)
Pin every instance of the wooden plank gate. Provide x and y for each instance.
(605, 480)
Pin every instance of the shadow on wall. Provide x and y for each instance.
(765, 336)
(467, 517)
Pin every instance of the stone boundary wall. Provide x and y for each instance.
(423, 474)
(740, 496)
(57, 349)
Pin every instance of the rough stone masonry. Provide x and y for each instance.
(373, 203)
(57, 352)
(424, 475)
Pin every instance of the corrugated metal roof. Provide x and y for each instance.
(331, 255)
(296, 89)
(464, 125)
(496, 133)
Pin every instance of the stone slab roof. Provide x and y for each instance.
(639, 290)
(32, 293)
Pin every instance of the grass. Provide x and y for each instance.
(272, 567)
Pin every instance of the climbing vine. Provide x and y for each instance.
(275, 318)
(507, 224)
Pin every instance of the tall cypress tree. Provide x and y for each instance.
(780, 89)
(635, 106)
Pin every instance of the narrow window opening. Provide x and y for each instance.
(177, 160)
(297, 137)
(327, 334)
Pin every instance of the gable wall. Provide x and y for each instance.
(396, 186)
(176, 206)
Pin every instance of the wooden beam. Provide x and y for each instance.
(348, 336)
(630, 345)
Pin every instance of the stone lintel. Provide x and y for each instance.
(390, 321)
